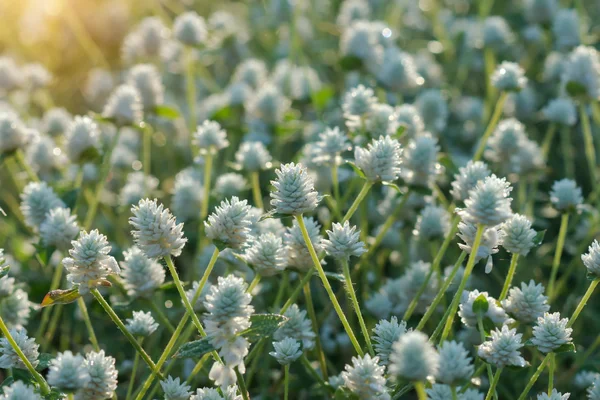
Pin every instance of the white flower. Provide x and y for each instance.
(294, 190)
(124, 106)
(229, 223)
(503, 348)
(413, 357)
(66, 372)
(365, 378)
(286, 351)
(9, 357)
(551, 332)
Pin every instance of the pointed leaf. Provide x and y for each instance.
(350, 63)
(195, 349)
(480, 305)
(166, 112)
(44, 361)
(60, 297)
(336, 276)
(263, 325)
(566, 348)
(447, 162)
(358, 171)
(575, 89)
(44, 253)
(393, 186)
(322, 97)
(539, 238)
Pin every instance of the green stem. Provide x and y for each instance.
(562, 234)
(350, 290)
(45, 389)
(286, 381)
(489, 59)
(482, 336)
(208, 161)
(548, 138)
(551, 368)
(241, 384)
(361, 195)
(312, 372)
(297, 290)
(147, 153)
(181, 290)
(590, 151)
(282, 288)
(25, 165)
(258, 201)
(387, 225)
(321, 272)
(88, 323)
(115, 318)
(583, 302)
(52, 326)
(310, 308)
(509, 277)
(190, 79)
(491, 125)
(197, 368)
(335, 182)
(161, 315)
(56, 277)
(534, 378)
(453, 389)
(420, 389)
(463, 282)
(493, 384)
(567, 150)
(254, 283)
(136, 361)
(441, 293)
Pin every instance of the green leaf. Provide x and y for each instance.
(263, 326)
(102, 119)
(488, 325)
(7, 381)
(336, 276)
(393, 186)
(166, 112)
(422, 190)
(575, 89)
(167, 286)
(590, 276)
(480, 305)
(69, 197)
(44, 361)
(400, 131)
(447, 162)
(358, 171)
(54, 394)
(350, 63)
(539, 238)
(273, 214)
(195, 349)
(91, 154)
(223, 114)
(60, 297)
(44, 253)
(566, 348)
(4, 271)
(322, 97)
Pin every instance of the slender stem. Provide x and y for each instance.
(136, 361)
(482, 336)
(25, 165)
(241, 384)
(361, 195)
(335, 182)
(489, 59)
(441, 293)
(254, 283)
(104, 170)
(551, 368)
(534, 378)
(115, 318)
(590, 151)
(420, 389)
(350, 290)
(208, 161)
(583, 302)
(463, 282)
(197, 368)
(567, 150)
(161, 315)
(147, 153)
(310, 308)
(190, 78)
(45, 389)
(332, 298)
(258, 201)
(453, 389)
(312, 371)
(562, 234)
(184, 298)
(493, 384)
(491, 125)
(56, 277)
(286, 381)
(282, 288)
(548, 138)
(78, 184)
(509, 277)
(49, 336)
(297, 290)
(88, 323)
(207, 271)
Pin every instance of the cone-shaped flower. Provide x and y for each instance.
(253, 156)
(124, 106)
(267, 254)
(413, 357)
(9, 357)
(488, 203)
(565, 195)
(343, 241)
(294, 190)
(103, 377)
(554, 395)
(59, 228)
(298, 327)
(381, 160)
(517, 235)
(19, 391)
(190, 29)
(467, 178)
(82, 139)
(174, 389)
(551, 332)
(386, 333)
(494, 312)
(527, 303)
(67, 373)
(142, 324)
(509, 77)
(210, 138)
(230, 223)
(503, 348)
(141, 275)
(37, 200)
(365, 378)
(455, 364)
(156, 232)
(286, 351)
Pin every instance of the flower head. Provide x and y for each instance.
(551, 332)
(409, 118)
(103, 376)
(343, 241)
(156, 232)
(413, 357)
(190, 29)
(286, 351)
(489, 241)
(229, 223)
(591, 259)
(467, 178)
(252, 71)
(142, 324)
(554, 395)
(496, 33)
(13, 133)
(566, 29)
(365, 378)
(455, 364)
(268, 104)
(331, 144)
(432, 223)
(19, 391)
(59, 228)
(527, 303)
(565, 195)
(420, 166)
(90, 261)
(488, 203)
(382, 120)
(297, 326)
(267, 254)
(141, 275)
(82, 139)
(509, 77)
(503, 348)
(210, 138)
(433, 108)
(9, 357)
(146, 79)
(230, 184)
(469, 317)
(381, 160)
(386, 333)
(253, 156)
(506, 140)
(581, 73)
(297, 251)
(561, 111)
(15, 309)
(294, 190)
(517, 235)
(124, 106)
(66, 372)
(37, 200)
(398, 71)
(174, 389)
(56, 121)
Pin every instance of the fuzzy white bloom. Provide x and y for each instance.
(229, 223)
(90, 261)
(156, 232)
(331, 144)
(13, 133)
(420, 166)
(386, 333)
(268, 104)
(124, 106)
(432, 223)
(210, 138)
(37, 200)
(267, 254)
(103, 377)
(410, 119)
(229, 312)
(252, 71)
(190, 29)
(593, 391)
(43, 156)
(11, 77)
(187, 197)
(565, 194)
(585, 379)
(141, 275)
(509, 76)
(82, 139)
(7, 284)
(298, 327)
(358, 102)
(467, 178)
(582, 69)
(517, 235)
(551, 332)
(365, 378)
(488, 246)
(146, 79)
(286, 351)
(136, 187)
(527, 303)
(15, 309)
(19, 391)
(59, 228)
(9, 357)
(591, 259)
(494, 312)
(381, 160)
(506, 141)
(142, 324)
(174, 389)
(230, 184)
(413, 357)
(554, 395)
(253, 156)
(66, 372)
(488, 203)
(382, 120)
(444, 392)
(343, 241)
(294, 190)
(229, 393)
(503, 348)
(297, 251)
(455, 364)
